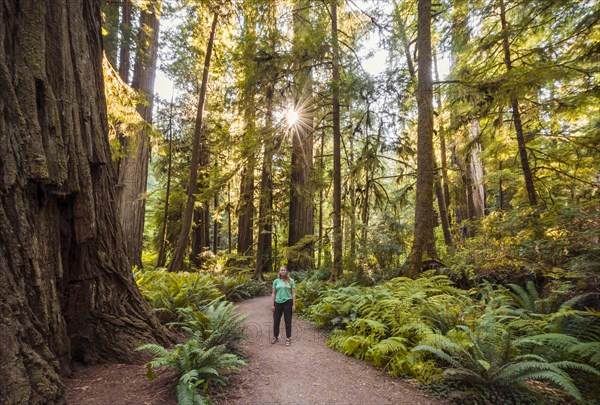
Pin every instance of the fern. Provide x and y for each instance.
(196, 364)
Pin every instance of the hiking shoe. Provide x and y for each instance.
(288, 342)
(274, 340)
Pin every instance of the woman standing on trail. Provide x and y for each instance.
(284, 302)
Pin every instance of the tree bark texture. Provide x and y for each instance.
(302, 223)
(246, 209)
(476, 173)
(183, 240)
(424, 241)
(337, 139)
(66, 288)
(264, 248)
(162, 251)
(133, 167)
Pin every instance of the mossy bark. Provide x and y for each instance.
(66, 288)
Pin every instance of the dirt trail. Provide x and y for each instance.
(307, 372)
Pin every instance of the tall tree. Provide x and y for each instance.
(441, 176)
(246, 205)
(133, 167)
(66, 288)
(302, 228)
(264, 249)
(424, 240)
(176, 262)
(516, 113)
(125, 31)
(162, 250)
(337, 138)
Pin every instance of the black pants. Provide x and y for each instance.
(284, 308)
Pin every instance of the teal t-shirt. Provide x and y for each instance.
(283, 290)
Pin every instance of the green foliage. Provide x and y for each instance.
(197, 363)
(496, 340)
(169, 292)
(224, 327)
(514, 247)
(382, 323)
(239, 287)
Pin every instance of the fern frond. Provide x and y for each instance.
(440, 354)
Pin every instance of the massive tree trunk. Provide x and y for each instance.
(133, 167)
(337, 138)
(424, 241)
(301, 240)
(66, 288)
(302, 224)
(183, 240)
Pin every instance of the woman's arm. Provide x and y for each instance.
(273, 298)
(293, 299)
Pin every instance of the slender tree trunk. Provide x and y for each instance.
(229, 218)
(125, 45)
(216, 226)
(352, 206)
(110, 10)
(246, 209)
(500, 189)
(176, 262)
(66, 288)
(321, 199)
(514, 102)
(133, 167)
(162, 255)
(424, 241)
(441, 185)
(264, 250)
(337, 136)
(201, 224)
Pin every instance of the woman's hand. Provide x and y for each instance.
(294, 307)
(273, 308)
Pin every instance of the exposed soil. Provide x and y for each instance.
(307, 372)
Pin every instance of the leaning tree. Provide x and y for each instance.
(66, 288)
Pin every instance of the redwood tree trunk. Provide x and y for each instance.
(424, 241)
(337, 160)
(66, 288)
(162, 251)
(302, 223)
(301, 203)
(133, 167)
(246, 209)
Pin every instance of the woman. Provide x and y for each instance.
(284, 302)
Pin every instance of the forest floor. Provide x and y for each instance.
(306, 372)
